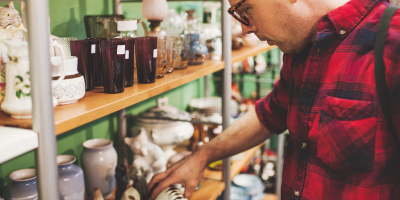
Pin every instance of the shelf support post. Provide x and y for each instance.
(117, 7)
(42, 100)
(121, 135)
(226, 89)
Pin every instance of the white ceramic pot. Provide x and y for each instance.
(164, 133)
(72, 88)
(23, 186)
(70, 179)
(99, 160)
(18, 101)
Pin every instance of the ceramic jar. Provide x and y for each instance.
(72, 88)
(70, 179)
(198, 52)
(99, 160)
(165, 133)
(23, 186)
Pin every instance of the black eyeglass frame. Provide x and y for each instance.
(233, 11)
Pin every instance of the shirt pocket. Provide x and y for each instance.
(346, 131)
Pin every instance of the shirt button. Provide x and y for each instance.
(342, 32)
(304, 145)
(296, 193)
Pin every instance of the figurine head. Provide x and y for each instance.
(139, 143)
(9, 15)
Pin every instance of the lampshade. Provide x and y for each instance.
(154, 9)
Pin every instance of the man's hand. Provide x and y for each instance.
(187, 172)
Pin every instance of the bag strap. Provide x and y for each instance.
(382, 88)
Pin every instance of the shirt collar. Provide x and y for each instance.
(346, 17)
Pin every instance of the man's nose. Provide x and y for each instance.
(249, 29)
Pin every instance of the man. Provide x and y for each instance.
(340, 146)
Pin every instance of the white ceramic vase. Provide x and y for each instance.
(99, 160)
(70, 179)
(18, 101)
(23, 186)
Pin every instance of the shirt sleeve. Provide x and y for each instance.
(272, 110)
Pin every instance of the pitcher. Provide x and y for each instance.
(117, 28)
(18, 101)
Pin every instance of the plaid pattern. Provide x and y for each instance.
(340, 146)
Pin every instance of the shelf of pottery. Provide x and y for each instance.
(95, 77)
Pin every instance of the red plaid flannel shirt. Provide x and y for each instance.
(340, 146)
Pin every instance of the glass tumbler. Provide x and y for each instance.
(171, 48)
(146, 57)
(98, 62)
(65, 43)
(182, 52)
(161, 57)
(82, 50)
(129, 60)
(113, 54)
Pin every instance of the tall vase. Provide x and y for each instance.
(23, 186)
(99, 160)
(70, 179)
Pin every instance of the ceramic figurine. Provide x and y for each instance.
(23, 185)
(9, 17)
(173, 192)
(122, 181)
(138, 175)
(97, 194)
(131, 194)
(148, 155)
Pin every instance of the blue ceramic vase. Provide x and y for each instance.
(198, 52)
(70, 178)
(22, 187)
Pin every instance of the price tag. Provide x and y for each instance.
(120, 49)
(130, 25)
(155, 53)
(93, 48)
(127, 54)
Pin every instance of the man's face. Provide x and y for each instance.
(280, 22)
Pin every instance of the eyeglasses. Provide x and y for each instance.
(237, 14)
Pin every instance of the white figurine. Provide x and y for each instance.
(173, 192)
(9, 16)
(148, 155)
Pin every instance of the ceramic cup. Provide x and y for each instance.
(99, 160)
(70, 178)
(22, 187)
(146, 59)
(72, 88)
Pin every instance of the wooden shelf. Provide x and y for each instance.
(96, 104)
(235, 168)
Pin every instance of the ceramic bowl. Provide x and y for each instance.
(72, 88)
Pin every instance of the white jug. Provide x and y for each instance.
(18, 101)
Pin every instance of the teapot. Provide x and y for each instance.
(18, 101)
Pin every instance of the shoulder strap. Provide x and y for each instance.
(382, 88)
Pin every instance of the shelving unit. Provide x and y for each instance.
(97, 104)
(48, 122)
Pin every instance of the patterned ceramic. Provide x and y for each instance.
(198, 52)
(99, 160)
(18, 101)
(173, 192)
(23, 186)
(70, 179)
(72, 88)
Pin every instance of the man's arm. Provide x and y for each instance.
(244, 134)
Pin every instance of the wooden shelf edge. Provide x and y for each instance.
(97, 104)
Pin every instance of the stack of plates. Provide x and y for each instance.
(211, 105)
(250, 184)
